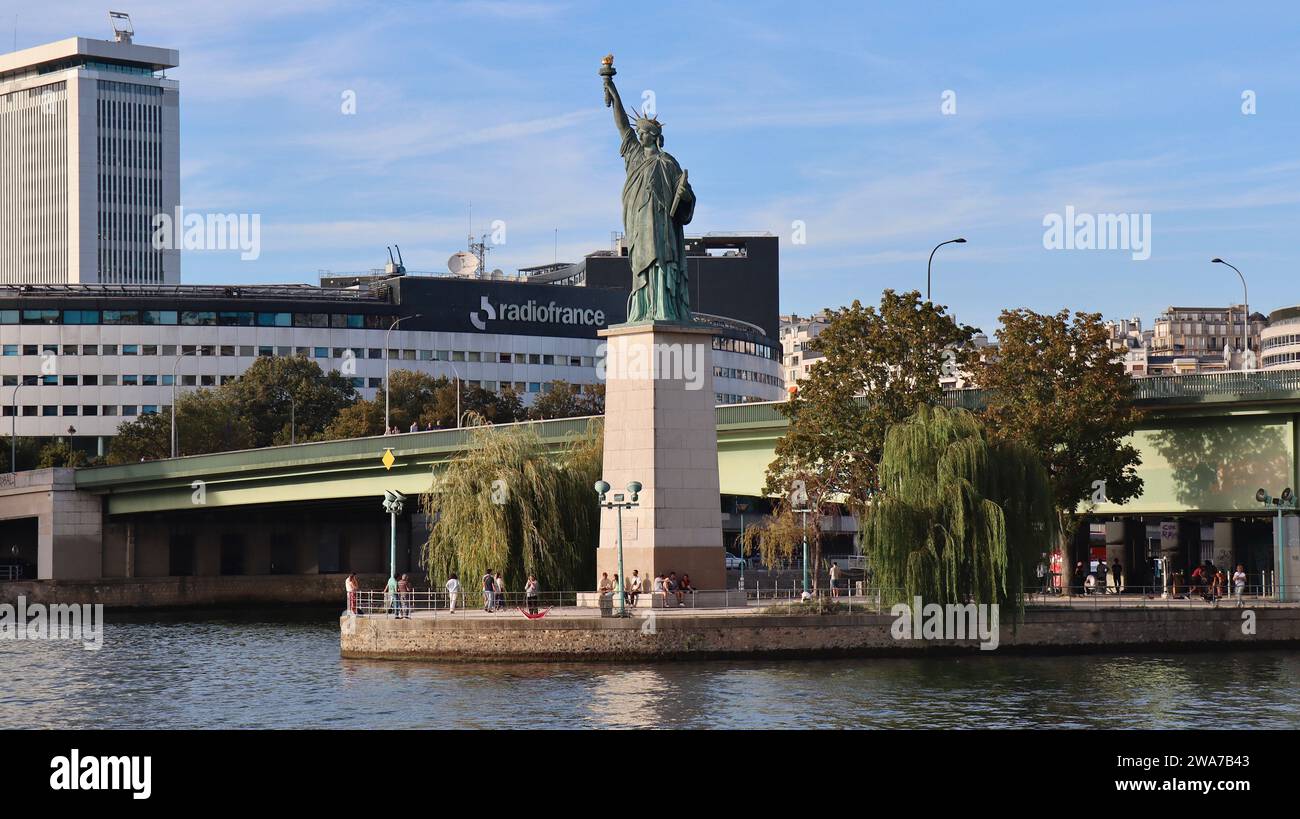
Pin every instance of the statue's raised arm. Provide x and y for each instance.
(612, 99)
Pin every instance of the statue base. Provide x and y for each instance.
(661, 430)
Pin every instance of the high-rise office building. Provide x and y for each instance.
(89, 154)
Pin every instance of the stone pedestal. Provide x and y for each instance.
(661, 430)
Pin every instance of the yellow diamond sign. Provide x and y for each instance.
(388, 459)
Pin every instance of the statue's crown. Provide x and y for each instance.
(650, 123)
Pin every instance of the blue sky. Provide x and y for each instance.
(825, 113)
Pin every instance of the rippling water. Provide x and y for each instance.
(275, 670)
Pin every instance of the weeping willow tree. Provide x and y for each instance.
(958, 518)
(510, 504)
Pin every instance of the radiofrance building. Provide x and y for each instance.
(95, 328)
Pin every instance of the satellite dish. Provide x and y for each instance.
(498, 273)
(463, 264)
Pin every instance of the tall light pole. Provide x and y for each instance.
(293, 415)
(197, 351)
(458, 380)
(620, 502)
(1287, 501)
(929, 264)
(1245, 309)
(387, 425)
(13, 430)
(393, 506)
(799, 503)
(742, 506)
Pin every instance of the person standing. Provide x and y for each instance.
(489, 591)
(453, 592)
(1102, 571)
(530, 594)
(633, 588)
(404, 597)
(1117, 576)
(1239, 583)
(499, 592)
(605, 595)
(390, 595)
(351, 585)
(835, 579)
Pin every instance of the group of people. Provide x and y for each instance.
(668, 587)
(397, 594)
(415, 427)
(1210, 583)
(1102, 580)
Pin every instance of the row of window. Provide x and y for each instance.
(733, 398)
(196, 318)
(748, 375)
(341, 353)
(1281, 341)
(736, 345)
(55, 410)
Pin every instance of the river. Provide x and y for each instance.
(283, 670)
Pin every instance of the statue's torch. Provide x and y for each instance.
(607, 71)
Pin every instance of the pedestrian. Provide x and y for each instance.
(453, 592)
(633, 588)
(404, 597)
(415, 426)
(658, 588)
(835, 579)
(1220, 585)
(1040, 571)
(352, 585)
(390, 595)
(499, 592)
(1102, 571)
(1078, 579)
(1239, 583)
(672, 587)
(489, 590)
(1117, 576)
(530, 594)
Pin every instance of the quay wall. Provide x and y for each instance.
(570, 638)
(190, 592)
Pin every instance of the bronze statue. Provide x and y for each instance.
(657, 204)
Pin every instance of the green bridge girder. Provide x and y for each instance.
(1207, 443)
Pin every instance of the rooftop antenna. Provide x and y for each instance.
(120, 22)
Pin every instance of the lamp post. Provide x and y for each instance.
(1286, 501)
(197, 351)
(13, 429)
(456, 370)
(393, 506)
(742, 506)
(1245, 308)
(957, 241)
(620, 502)
(293, 415)
(387, 335)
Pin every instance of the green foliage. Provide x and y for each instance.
(1056, 387)
(877, 366)
(28, 453)
(59, 453)
(542, 519)
(419, 397)
(564, 400)
(959, 518)
(206, 421)
(261, 399)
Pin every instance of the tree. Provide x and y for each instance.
(564, 400)
(1055, 386)
(28, 453)
(877, 366)
(422, 398)
(508, 503)
(206, 421)
(59, 453)
(959, 517)
(277, 395)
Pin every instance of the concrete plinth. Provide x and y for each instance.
(660, 429)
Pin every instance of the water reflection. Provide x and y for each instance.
(285, 672)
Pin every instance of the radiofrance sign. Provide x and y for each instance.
(532, 311)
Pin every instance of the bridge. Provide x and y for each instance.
(1207, 442)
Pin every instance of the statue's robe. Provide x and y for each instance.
(654, 235)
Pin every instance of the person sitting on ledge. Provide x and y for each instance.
(670, 588)
(684, 587)
(633, 588)
(659, 589)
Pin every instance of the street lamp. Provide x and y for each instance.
(458, 379)
(742, 506)
(197, 351)
(957, 241)
(1245, 306)
(387, 425)
(393, 506)
(293, 415)
(1286, 501)
(620, 502)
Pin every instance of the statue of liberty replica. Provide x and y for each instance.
(657, 204)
